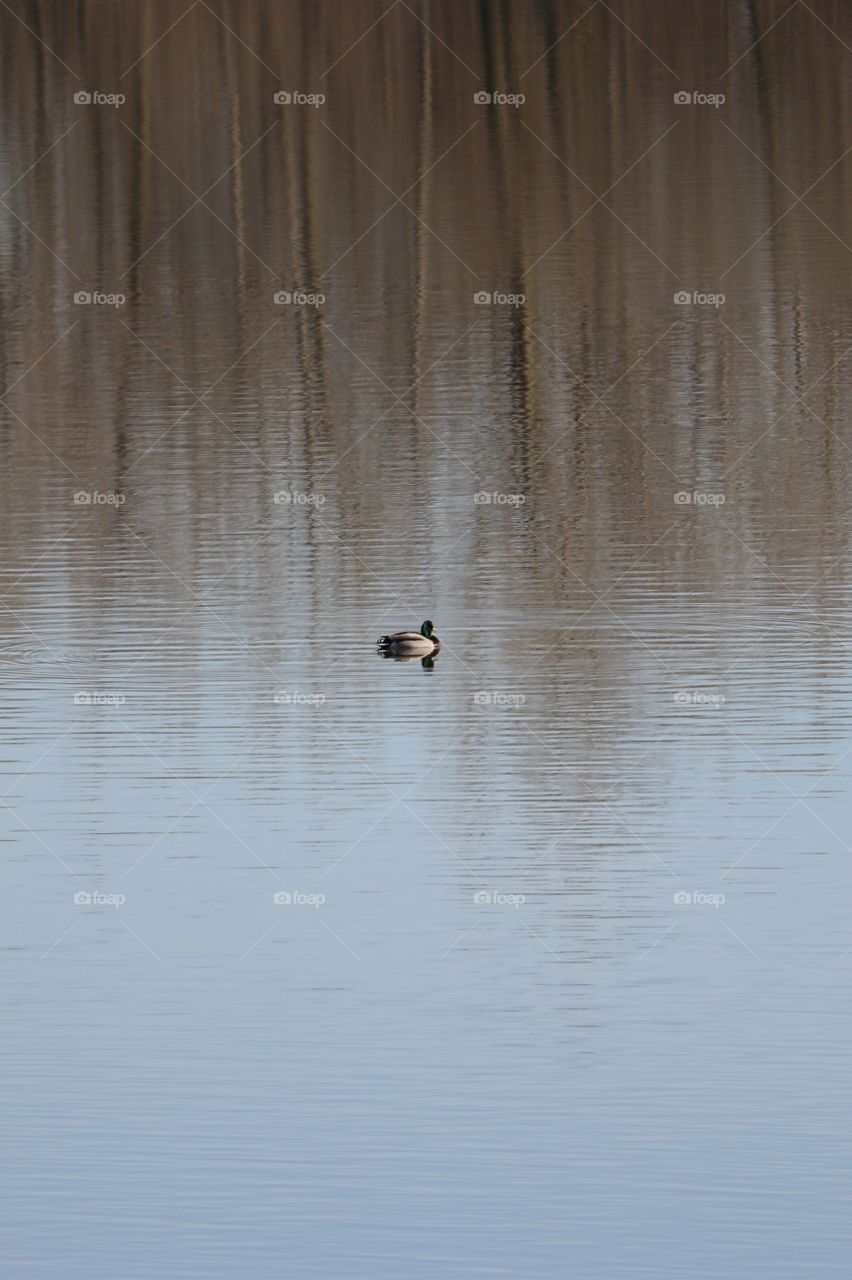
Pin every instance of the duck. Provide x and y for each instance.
(410, 644)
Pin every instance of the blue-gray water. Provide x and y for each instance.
(532, 963)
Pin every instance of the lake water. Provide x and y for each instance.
(535, 961)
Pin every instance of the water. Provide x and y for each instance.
(557, 977)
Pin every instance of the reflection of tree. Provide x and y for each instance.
(516, 399)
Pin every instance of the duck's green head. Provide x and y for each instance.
(426, 630)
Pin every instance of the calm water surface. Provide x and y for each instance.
(535, 962)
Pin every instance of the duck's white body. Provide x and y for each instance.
(410, 644)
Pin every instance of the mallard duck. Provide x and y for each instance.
(410, 644)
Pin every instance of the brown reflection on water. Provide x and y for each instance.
(300, 187)
(399, 398)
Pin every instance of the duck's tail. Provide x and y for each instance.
(383, 642)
